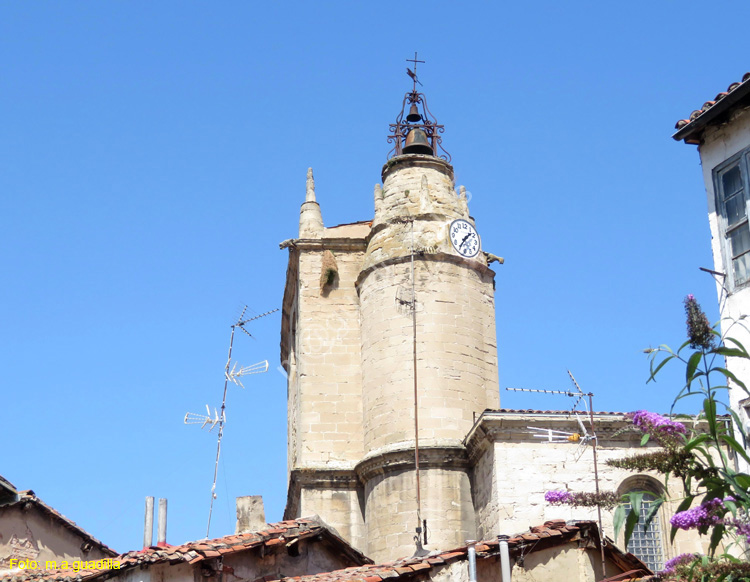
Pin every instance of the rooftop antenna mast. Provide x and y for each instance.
(584, 438)
(219, 419)
(421, 530)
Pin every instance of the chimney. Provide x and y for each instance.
(161, 539)
(148, 526)
(251, 516)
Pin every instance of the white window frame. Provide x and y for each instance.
(741, 160)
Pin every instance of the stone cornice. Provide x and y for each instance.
(511, 426)
(418, 161)
(326, 244)
(447, 457)
(424, 256)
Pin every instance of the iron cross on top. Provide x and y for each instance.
(413, 74)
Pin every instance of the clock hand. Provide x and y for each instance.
(465, 242)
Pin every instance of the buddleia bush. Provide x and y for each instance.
(695, 449)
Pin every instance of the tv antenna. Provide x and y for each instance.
(219, 418)
(583, 438)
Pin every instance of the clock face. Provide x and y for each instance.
(464, 238)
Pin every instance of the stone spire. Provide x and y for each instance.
(463, 201)
(378, 196)
(310, 218)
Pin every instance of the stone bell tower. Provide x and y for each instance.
(404, 318)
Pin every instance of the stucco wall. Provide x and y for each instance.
(721, 143)
(32, 533)
(565, 563)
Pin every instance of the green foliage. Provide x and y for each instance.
(702, 457)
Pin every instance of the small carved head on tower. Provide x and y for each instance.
(416, 132)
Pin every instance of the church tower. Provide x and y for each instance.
(388, 340)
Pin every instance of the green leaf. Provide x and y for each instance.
(743, 480)
(631, 521)
(738, 424)
(729, 352)
(732, 377)
(659, 367)
(709, 407)
(645, 438)
(716, 536)
(736, 446)
(636, 497)
(619, 519)
(738, 344)
(698, 440)
(655, 505)
(692, 365)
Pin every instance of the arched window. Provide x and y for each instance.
(646, 544)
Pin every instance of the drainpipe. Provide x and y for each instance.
(472, 551)
(161, 539)
(504, 558)
(148, 526)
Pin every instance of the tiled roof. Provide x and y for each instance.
(26, 498)
(552, 533)
(722, 101)
(277, 534)
(533, 411)
(4, 483)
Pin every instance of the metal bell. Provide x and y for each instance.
(417, 143)
(413, 114)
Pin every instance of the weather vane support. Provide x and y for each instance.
(219, 419)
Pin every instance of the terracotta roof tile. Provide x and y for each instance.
(566, 412)
(416, 567)
(552, 533)
(708, 105)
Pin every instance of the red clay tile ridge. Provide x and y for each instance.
(686, 128)
(552, 533)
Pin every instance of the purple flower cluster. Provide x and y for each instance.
(558, 497)
(670, 565)
(705, 515)
(652, 422)
(741, 525)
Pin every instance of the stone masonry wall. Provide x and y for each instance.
(328, 405)
(391, 521)
(339, 508)
(512, 500)
(456, 352)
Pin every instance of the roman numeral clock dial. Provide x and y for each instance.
(464, 238)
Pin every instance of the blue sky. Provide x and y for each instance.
(153, 155)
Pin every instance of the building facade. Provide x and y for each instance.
(721, 130)
(396, 437)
